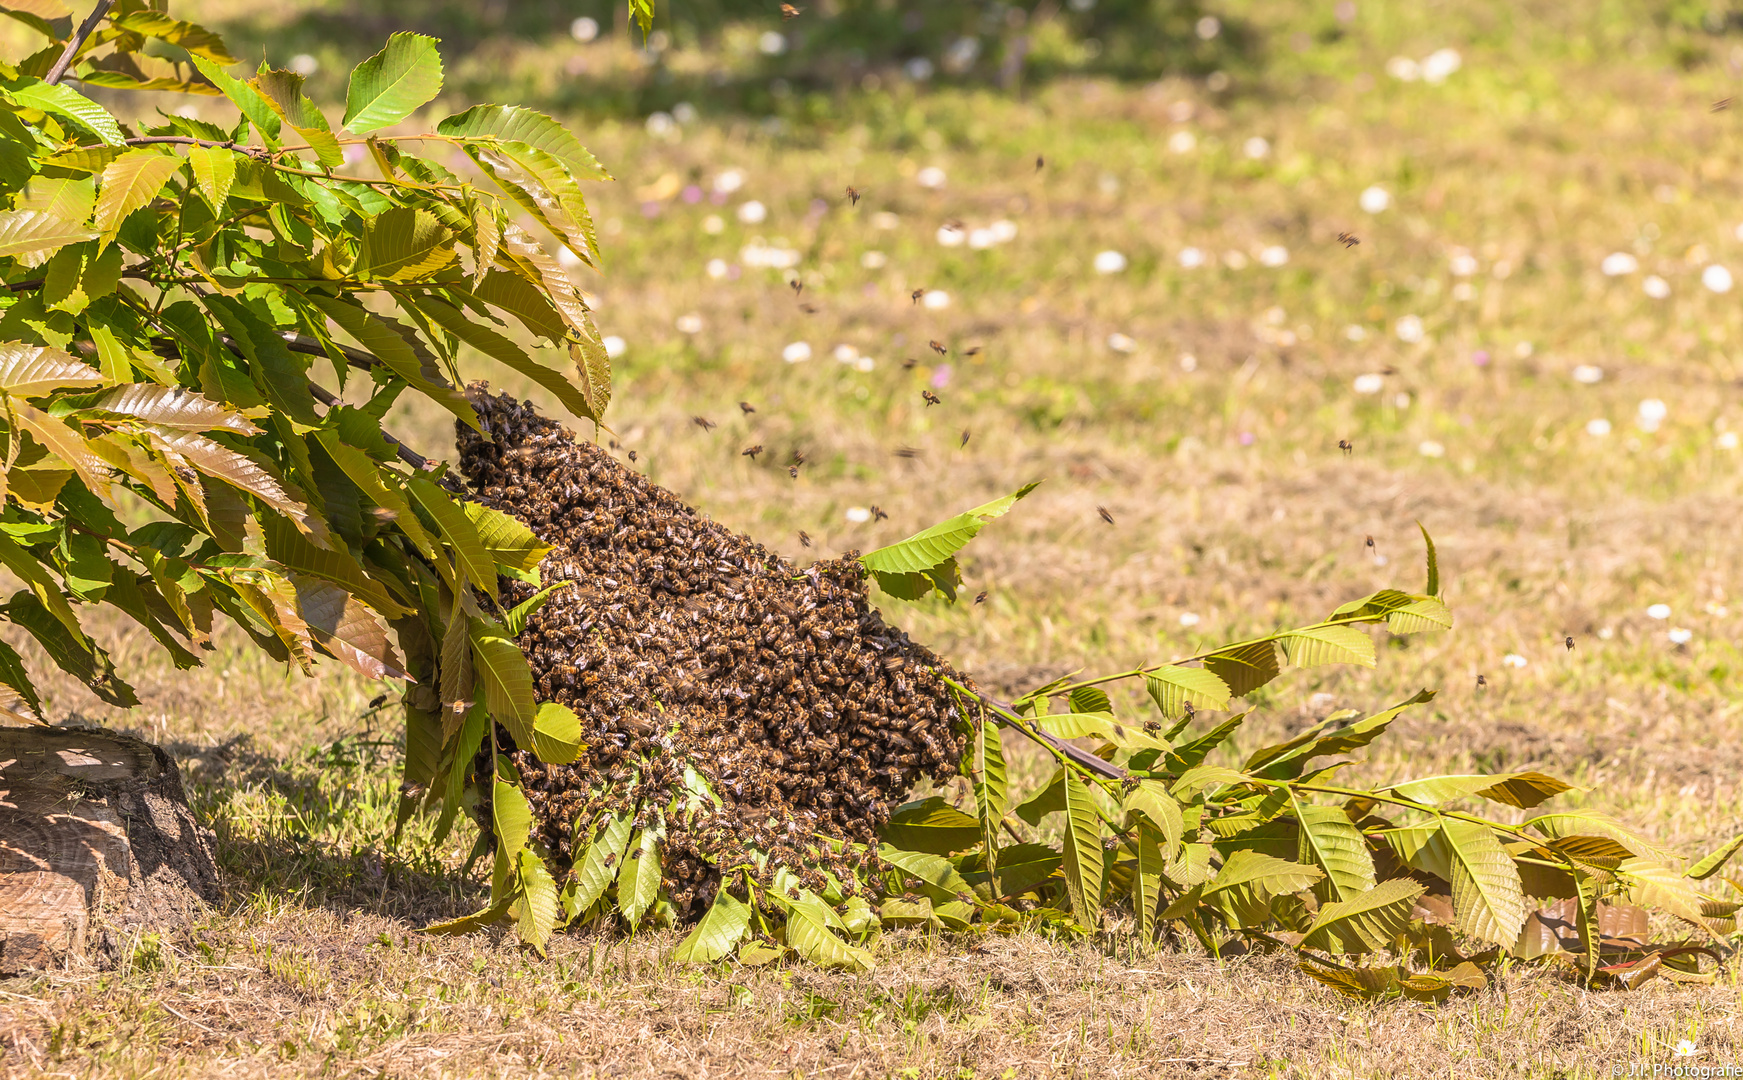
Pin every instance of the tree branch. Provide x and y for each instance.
(77, 41)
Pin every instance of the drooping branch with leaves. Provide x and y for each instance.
(202, 329)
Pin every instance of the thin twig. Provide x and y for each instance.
(406, 454)
(56, 73)
(189, 140)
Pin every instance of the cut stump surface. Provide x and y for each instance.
(96, 842)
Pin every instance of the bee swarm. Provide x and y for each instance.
(683, 643)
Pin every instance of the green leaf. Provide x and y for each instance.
(638, 883)
(457, 529)
(240, 472)
(18, 698)
(31, 236)
(245, 97)
(129, 182)
(390, 343)
(343, 626)
(542, 187)
(1329, 840)
(394, 83)
(478, 920)
(718, 933)
(465, 749)
(190, 36)
(1657, 887)
(1147, 878)
(1524, 789)
(933, 826)
(1189, 754)
(557, 734)
(25, 566)
(1593, 823)
(514, 294)
(1328, 645)
(278, 373)
(33, 370)
(283, 93)
(508, 681)
(991, 788)
(404, 244)
(288, 547)
(1091, 699)
(1487, 895)
(535, 909)
(1244, 668)
(1366, 922)
(79, 274)
(499, 348)
(597, 868)
(511, 123)
(171, 407)
(1082, 725)
(934, 871)
(69, 104)
(214, 171)
(69, 198)
(810, 935)
(511, 546)
(1199, 777)
(1248, 881)
(1024, 866)
(1173, 688)
(1083, 851)
(1422, 616)
(642, 11)
(1715, 861)
(515, 618)
(512, 816)
(1152, 800)
(930, 547)
(1433, 586)
(1049, 800)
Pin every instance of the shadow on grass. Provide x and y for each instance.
(318, 826)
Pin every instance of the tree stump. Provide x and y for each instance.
(96, 843)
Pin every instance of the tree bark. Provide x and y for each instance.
(97, 845)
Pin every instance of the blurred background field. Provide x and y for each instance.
(1122, 221)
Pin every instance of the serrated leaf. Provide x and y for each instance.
(65, 442)
(171, 407)
(245, 97)
(78, 274)
(404, 244)
(457, 529)
(24, 566)
(1147, 872)
(1199, 777)
(510, 123)
(1657, 887)
(1327, 645)
(31, 236)
(33, 370)
(386, 340)
(1191, 753)
(638, 883)
(499, 348)
(718, 932)
(1422, 616)
(194, 38)
(1361, 983)
(1153, 801)
(478, 920)
(1083, 853)
(288, 547)
(1367, 921)
(515, 618)
(810, 935)
(511, 545)
(538, 183)
(1487, 894)
(1524, 790)
(1082, 725)
(69, 198)
(512, 817)
(394, 83)
(129, 182)
(1172, 688)
(517, 296)
(1593, 823)
(1714, 862)
(214, 171)
(243, 473)
(991, 787)
(18, 697)
(930, 547)
(597, 867)
(1331, 841)
(934, 871)
(931, 825)
(1090, 699)
(557, 734)
(535, 909)
(507, 679)
(1024, 866)
(1433, 586)
(1244, 668)
(69, 104)
(347, 628)
(283, 93)
(1248, 881)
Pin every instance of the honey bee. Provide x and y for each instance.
(793, 471)
(964, 438)
(972, 352)
(930, 398)
(878, 514)
(788, 11)
(809, 309)
(981, 598)
(1482, 682)
(908, 452)
(798, 286)
(751, 451)
(746, 407)
(1346, 446)
(955, 225)
(909, 364)
(1039, 161)
(1105, 514)
(853, 195)
(632, 455)
(917, 294)
(1371, 546)
(1348, 240)
(1569, 641)
(804, 538)
(937, 348)
(1720, 105)
(703, 422)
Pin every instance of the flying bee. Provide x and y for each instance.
(972, 352)
(798, 458)
(853, 195)
(1105, 515)
(703, 422)
(632, 455)
(981, 598)
(1720, 105)
(793, 471)
(798, 286)
(1346, 446)
(804, 538)
(1569, 642)
(917, 294)
(907, 452)
(1039, 161)
(908, 364)
(1348, 240)
(1371, 546)
(878, 514)
(751, 451)
(788, 11)
(931, 398)
(746, 407)
(964, 437)
(937, 348)
(809, 309)
(955, 225)
(378, 701)
(1481, 682)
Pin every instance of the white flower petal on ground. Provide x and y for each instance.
(1716, 278)
(1109, 262)
(1182, 142)
(885, 220)
(772, 43)
(1120, 343)
(1679, 636)
(1618, 263)
(931, 177)
(797, 353)
(1256, 147)
(1655, 287)
(935, 300)
(1409, 329)
(1440, 63)
(728, 181)
(1274, 255)
(1514, 660)
(1430, 449)
(1187, 618)
(981, 239)
(1652, 413)
(1004, 231)
(859, 515)
(1188, 362)
(1355, 333)
(1727, 440)
(1369, 383)
(1375, 200)
(1658, 611)
(1598, 428)
(752, 212)
(1191, 258)
(717, 268)
(844, 354)
(614, 346)
(873, 260)
(1588, 374)
(1404, 69)
(713, 224)
(949, 237)
(689, 324)
(1462, 265)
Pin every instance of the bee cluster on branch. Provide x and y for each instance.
(680, 643)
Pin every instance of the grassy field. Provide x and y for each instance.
(1569, 436)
